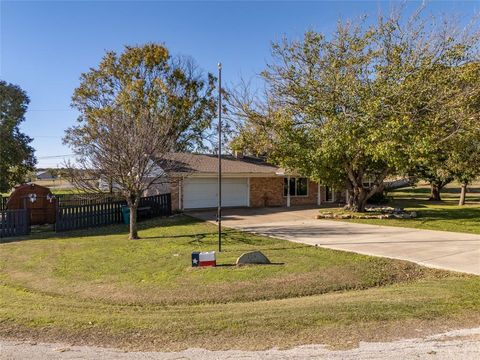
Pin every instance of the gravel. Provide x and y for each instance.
(459, 344)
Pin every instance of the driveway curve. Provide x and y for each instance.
(437, 249)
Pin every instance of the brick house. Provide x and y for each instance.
(246, 182)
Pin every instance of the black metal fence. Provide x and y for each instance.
(74, 217)
(14, 223)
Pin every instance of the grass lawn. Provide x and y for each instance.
(97, 287)
(445, 215)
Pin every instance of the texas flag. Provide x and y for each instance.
(204, 258)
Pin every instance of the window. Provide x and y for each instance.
(298, 186)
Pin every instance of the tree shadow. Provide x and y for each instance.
(244, 265)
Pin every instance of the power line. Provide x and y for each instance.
(46, 136)
(55, 156)
(53, 110)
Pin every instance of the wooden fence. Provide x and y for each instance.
(14, 223)
(74, 199)
(160, 205)
(85, 199)
(85, 216)
(3, 203)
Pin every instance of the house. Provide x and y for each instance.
(45, 175)
(246, 182)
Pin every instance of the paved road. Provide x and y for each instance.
(438, 249)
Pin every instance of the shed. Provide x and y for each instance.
(38, 199)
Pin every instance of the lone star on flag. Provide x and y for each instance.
(203, 258)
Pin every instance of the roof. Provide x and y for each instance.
(208, 164)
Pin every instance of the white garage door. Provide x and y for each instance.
(202, 192)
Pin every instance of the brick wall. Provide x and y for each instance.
(174, 190)
(269, 192)
(266, 192)
(310, 199)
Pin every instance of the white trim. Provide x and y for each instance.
(288, 191)
(332, 193)
(297, 177)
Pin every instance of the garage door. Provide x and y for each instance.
(202, 192)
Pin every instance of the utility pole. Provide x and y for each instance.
(219, 213)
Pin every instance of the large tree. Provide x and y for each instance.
(16, 155)
(454, 136)
(361, 104)
(135, 108)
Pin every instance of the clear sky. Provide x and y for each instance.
(45, 46)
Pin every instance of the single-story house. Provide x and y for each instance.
(246, 182)
(45, 175)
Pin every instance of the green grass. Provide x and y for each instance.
(97, 287)
(444, 215)
(101, 266)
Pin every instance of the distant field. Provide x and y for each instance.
(450, 194)
(57, 185)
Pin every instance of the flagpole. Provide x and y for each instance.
(219, 214)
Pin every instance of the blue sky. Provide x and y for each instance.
(45, 46)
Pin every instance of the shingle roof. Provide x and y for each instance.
(208, 164)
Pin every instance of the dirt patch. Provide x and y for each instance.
(335, 337)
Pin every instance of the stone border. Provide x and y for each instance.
(385, 213)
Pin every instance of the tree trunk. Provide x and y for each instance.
(133, 222)
(349, 199)
(358, 200)
(360, 194)
(463, 193)
(435, 192)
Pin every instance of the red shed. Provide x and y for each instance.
(39, 199)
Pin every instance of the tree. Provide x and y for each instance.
(438, 174)
(464, 166)
(136, 108)
(464, 159)
(453, 152)
(352, 108)
(16, 155)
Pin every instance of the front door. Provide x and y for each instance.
(328, 194)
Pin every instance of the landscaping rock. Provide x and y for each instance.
(253, 257)
(386, 212)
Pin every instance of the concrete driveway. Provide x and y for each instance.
(438, 249)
